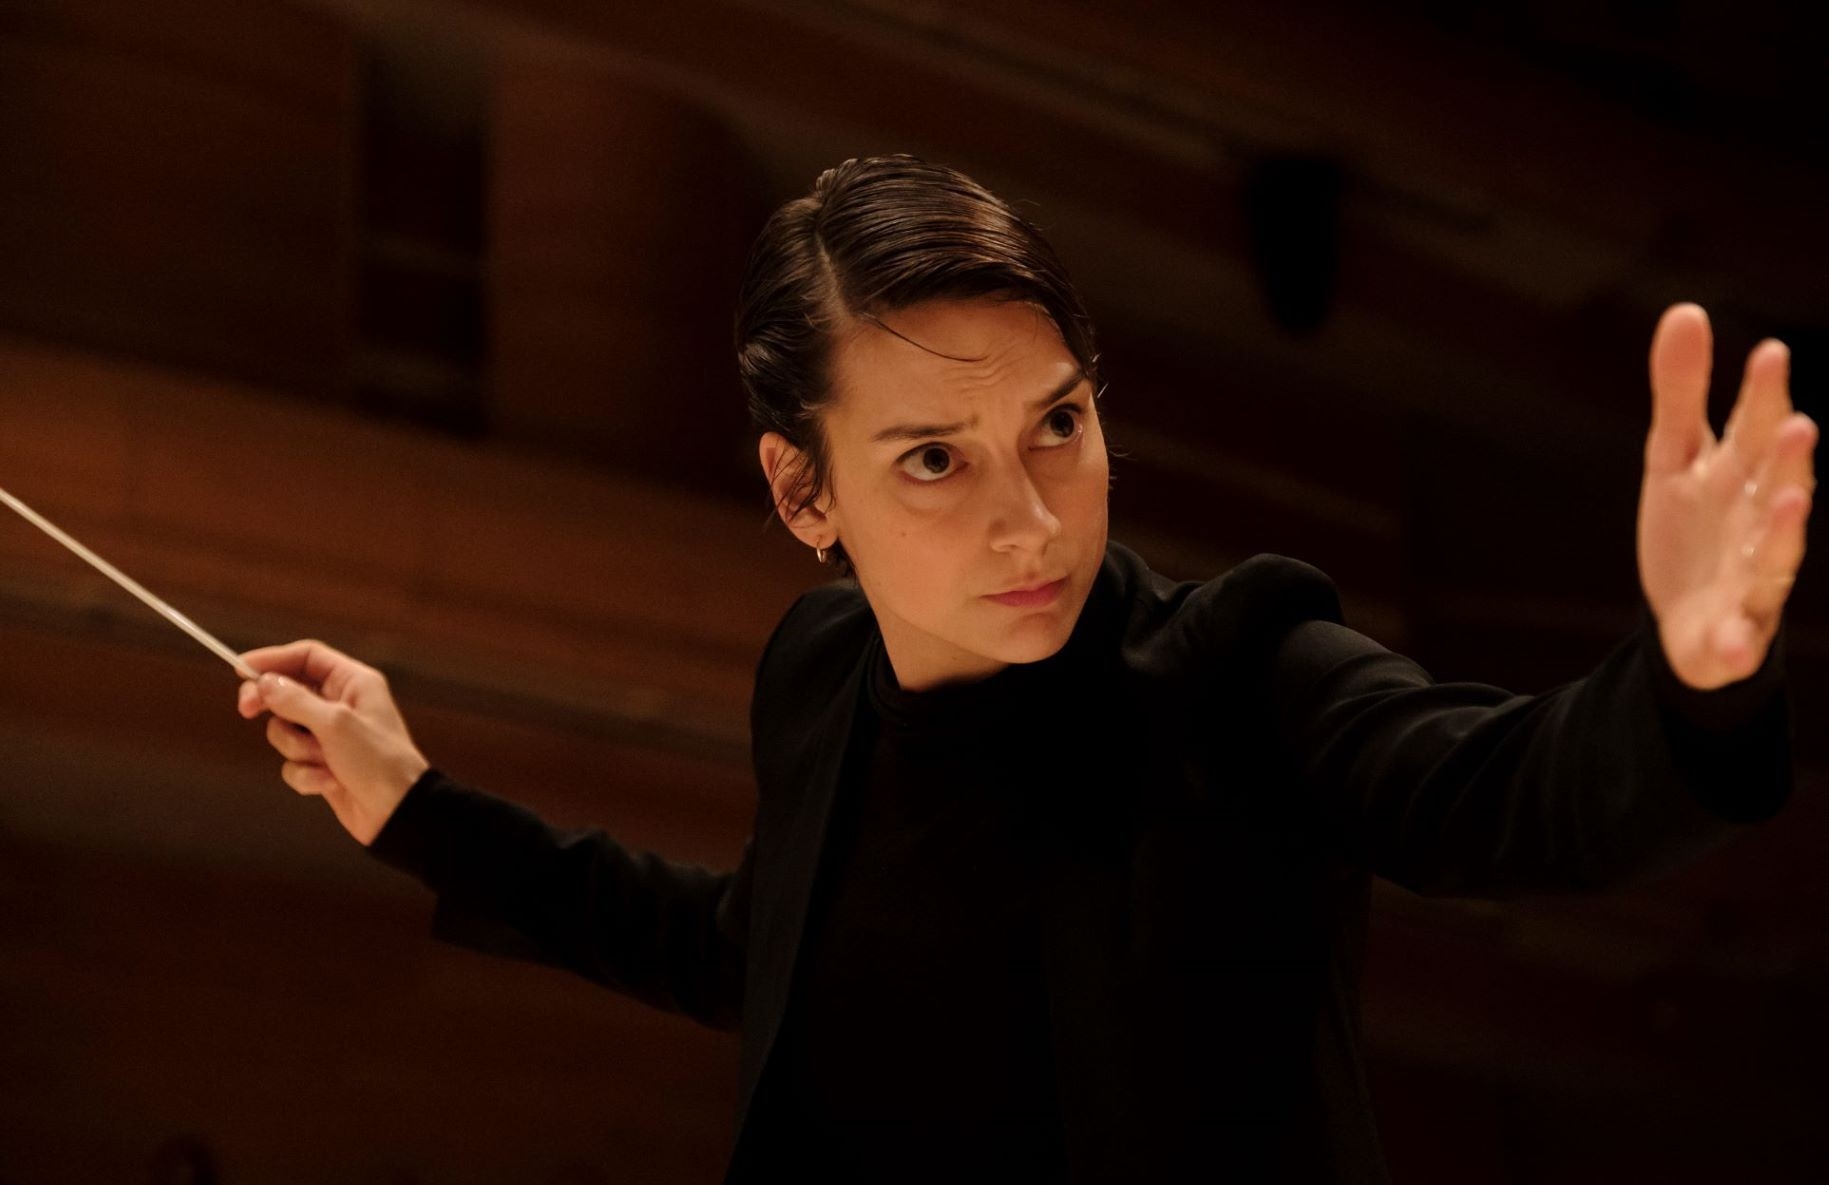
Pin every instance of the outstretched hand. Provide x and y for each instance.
(1721, 522)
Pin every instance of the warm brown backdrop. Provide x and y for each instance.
(404, 324)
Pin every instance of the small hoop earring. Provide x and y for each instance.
(820, 553)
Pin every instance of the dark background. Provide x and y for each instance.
(405, 325)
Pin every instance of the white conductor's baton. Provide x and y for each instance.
(133, 586)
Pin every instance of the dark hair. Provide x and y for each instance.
(878, 234)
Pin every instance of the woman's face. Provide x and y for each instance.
(953, 480)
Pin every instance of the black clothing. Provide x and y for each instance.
(1237, 764)
(916, 1047)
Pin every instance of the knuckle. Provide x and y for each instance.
(286, 738)
(301, 777)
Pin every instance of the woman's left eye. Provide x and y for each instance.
(1073, 425)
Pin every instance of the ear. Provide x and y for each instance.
(782, 466)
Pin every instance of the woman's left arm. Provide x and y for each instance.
(1464, 788)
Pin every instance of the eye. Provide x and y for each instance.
(932, 459)
(932, 463)
(1071, 414)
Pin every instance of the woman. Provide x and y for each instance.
(1093, 847)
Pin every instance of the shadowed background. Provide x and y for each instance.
(405, 325)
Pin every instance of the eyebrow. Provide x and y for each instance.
(922, 431)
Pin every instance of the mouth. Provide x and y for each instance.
(1030, 595)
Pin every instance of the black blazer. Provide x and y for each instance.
(1252, 763)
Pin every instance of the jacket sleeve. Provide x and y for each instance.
(508, 883)
(1466, 789)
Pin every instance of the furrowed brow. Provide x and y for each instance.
(924, 431)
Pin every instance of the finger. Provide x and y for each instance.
(293, 742)
(1681, 355)
(1734, 639)
(1791, 460)
(307, 779)
(1789, 464)
(1761, 409)
(1778, 555)
(293, 701)
(247, 699)
(308, 661)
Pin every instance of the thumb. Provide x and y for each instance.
(1682, 356)
(293, 702)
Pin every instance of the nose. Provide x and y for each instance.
(1021, 520)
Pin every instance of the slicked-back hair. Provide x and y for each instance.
(875, 235)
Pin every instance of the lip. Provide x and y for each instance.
(1023, 598)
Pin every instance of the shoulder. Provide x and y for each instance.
(819, 638)
(1187, 626)
(819, 618)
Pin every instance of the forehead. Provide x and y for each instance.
(932, 352)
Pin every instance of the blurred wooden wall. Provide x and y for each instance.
(405, 325)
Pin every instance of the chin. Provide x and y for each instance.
(1033, 637)
(1033, 651)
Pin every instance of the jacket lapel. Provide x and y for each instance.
(787, 868)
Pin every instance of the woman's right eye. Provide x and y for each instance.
(928, 464)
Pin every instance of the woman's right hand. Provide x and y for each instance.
(335, 723)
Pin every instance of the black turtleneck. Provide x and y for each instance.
(917, 1032)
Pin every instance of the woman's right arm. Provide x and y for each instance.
(667, 933)
(508, 883)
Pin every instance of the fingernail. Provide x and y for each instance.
(270, 681)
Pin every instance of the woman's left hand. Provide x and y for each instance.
(1721, 523)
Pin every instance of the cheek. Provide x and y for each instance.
(918, 577)
(912, 544)
(932, 550)
(1089, 490)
